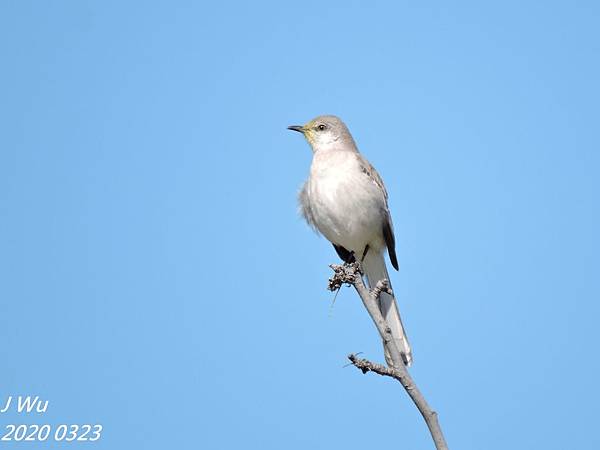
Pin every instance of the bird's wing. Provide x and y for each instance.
(388, 227)
(373, 175)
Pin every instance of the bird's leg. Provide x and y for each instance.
(366, 250)
(346, 255)
(351, 258)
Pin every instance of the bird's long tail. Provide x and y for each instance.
(375, 270)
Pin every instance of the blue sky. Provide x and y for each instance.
(157, 279)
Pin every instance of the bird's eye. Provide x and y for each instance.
(321, 127)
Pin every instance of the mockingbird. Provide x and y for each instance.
(345, 200)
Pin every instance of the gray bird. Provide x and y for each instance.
(345, 200)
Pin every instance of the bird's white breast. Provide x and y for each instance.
(347, 206)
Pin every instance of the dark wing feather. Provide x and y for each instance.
(390, 241)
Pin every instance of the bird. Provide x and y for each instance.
(345, 200)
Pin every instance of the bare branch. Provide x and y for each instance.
(351, 274)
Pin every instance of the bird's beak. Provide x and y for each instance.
(297, 128)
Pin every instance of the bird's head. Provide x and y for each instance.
(324, 132)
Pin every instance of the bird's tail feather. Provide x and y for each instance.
(375, 270)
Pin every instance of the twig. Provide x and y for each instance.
(350, 274)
